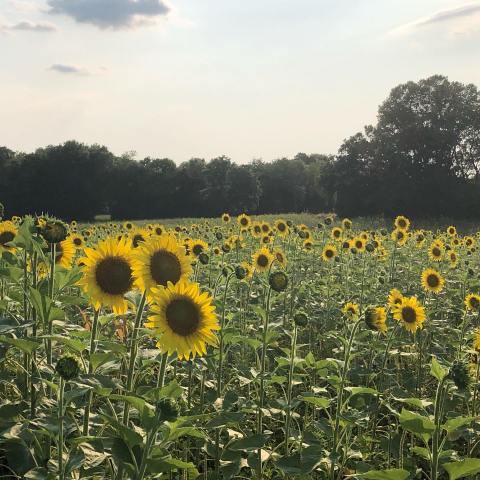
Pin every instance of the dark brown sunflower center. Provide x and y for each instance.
(358, 244)
(351, 310)
(197, 249)
(158, 231)
(77, 241)
(281, 227)
(436, 252)
(329, 253)
(114, 276)
(244, 221)
(402, 223)
(474, 303)
(6, 237)
(257, 229)
(409, 315)
(265, 228)
(183, 317)
(262, 260)
(137, 239)
(165, 267)
(433, 280)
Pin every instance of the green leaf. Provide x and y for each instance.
(18, 455)
(437, 370)
(100, 358)
(253, 442)
(361, 391)
(463, 468)
(320, 402)
(73, 345)
(168, 464)
(390, 474)
(453, 423)
(417, 424)
(26, 346)
(225, 418)
(173, 390)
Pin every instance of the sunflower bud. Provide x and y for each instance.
(278, 281)
(166, 410)
(203, 258)
(240, 272)
(369, 248)
(460, 375)
(54, 231)
(289, 223)
(300, 319)
(68, 367)
(218, 235)
(226, 248)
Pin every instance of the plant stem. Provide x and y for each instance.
(60, 429)
(289, 388)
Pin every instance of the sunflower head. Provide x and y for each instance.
(451, 230)
(198, 246)
(436, 251)
(281, 227)
(54, 231)
(225, 218)
(399, 236)
(375, 319)
(402, 223)
(411, 313)
(278, 281)
(262, 259)
(139, 236)
(68, 367)
(243, 221)
(351, 310)
(183, 319)
(472, 302)
(329, 252)
(347, 223)
(432, 281)
(8, 232)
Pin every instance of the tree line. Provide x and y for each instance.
(422, 158)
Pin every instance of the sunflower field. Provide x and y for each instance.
(239, 348)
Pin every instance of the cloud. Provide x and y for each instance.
(27, 26)
(460, 19)
(68, 69)
(110, 13)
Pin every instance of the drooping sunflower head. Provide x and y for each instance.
(8, 232)
(472, 302)
(262, 259)
(376, 318)
(395, 298)
(402, 223)
(329, 252)
(108, 274)
(243, 221)
(351, 310)
(138, 236)
(411, 313)
(198, 246)
(183, 319)
(432, 281)
(160, 260)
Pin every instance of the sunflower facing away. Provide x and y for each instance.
(158, 261)
(262, 259)
(184, 318)
(376, 319)
(108, 274)
(432, 281)
(411, 313)
(8, 231)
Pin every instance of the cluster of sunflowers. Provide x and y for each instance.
(218, 287)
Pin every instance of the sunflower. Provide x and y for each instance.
(351, 310)
(358, 243)
(158, 229)
(256, 229)
(158, 261)
(64, 253)
(128, 226)
(376, 319)
(451, 230)
(432, 281)
(308, 245)
(399, 236)
(108, 274)
(436, 251)
(395, 298)
(248, 269)
(282, 227)
(472, 302)
(336, 233)
(329, 252)
(8, 232)
(265, 226)
(346, 223)
(262, 259)
(469, 241)
(184, 318)
(198, 246)
(419, 239)
(77, 240)
(453, 257)
(138, 236)
(280, 257)
(225, 218)
(402, 223)
(476, 340)
(244, 221)
(411, 313)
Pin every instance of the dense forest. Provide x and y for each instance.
(422, 158)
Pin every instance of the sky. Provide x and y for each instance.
(202, 78)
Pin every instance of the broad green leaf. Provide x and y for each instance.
(437, 370)
(26, 346)
(453, 423)
(390, 474)
(253, 442)
(417, 424)
(463, 468)
(361, 391)
(320, 402)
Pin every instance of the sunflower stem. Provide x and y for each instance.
(133, 354)
(161, 372)
(61, 390)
